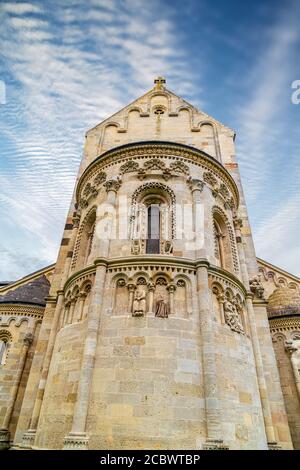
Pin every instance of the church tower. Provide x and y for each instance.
(154, 335)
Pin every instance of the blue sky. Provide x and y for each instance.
(67, 65)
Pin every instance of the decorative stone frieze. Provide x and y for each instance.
(232, 316)
(19, 313)
(180, 158)
(129, 167)
(76, 441)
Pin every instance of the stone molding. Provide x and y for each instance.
(76, 441)
(176, 152)
(284, 324)
(211, 444)
(160, 262)
(19, 313)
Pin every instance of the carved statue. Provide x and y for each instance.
(167, 247)
(256, 287)
(162, 309)
(232, 317)
(136, 247)
(139, 302)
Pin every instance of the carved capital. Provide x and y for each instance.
(131, 287)
(195, 184)
(113, 184)
(221, 298)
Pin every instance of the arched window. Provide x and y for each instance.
(154, 229)
(224, 242)
(90, 237)
(84, 241)
(219, 245)
(152, 219)
(5, 340)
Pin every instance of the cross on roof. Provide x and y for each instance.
(159, 82)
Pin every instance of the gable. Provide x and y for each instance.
(160, 115)
(273, 277)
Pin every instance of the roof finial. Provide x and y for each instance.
(159, 83)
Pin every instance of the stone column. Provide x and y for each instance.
(238, 223)
(29, 436)
(64, 314)
(196, 186)
(293, 347)
(151, 289)
(72, 241)
(103, 226)
(212, 406)
(171, 288)
(71, 312)
(4, 431)
(262, 386)
(78, 439)
(81, 301)
(221, 300)
(131, 288)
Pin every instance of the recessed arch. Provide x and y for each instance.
(84, 239)
(225, 247)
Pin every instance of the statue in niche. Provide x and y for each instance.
(232, 317)
(162, 309)
(139, 302)
(167, 247)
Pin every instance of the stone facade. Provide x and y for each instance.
(155, 333)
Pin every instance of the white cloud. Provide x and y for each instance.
(71, 75)
(263, 138)
(19, 8)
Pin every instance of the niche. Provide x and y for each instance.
(121, 297)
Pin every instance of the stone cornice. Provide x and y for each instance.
(153, 261)
(39, 309)
(284, 323)
(158, 148)
(87, 270)
(227, 275)
(24, 310)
